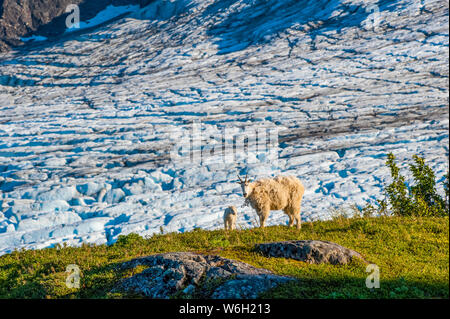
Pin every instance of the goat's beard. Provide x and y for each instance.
(246, 202)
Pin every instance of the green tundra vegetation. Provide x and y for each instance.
(419, 199)
(412, 254)
(406, 235)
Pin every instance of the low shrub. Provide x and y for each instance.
(419, 199)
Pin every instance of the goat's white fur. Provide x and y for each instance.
(229, 217)
(279, 193)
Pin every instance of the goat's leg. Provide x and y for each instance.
(298, 220)
(263, 214)
(291, 217)
(262, 221)
(296, 213)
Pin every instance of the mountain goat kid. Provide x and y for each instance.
(229, 217)
(279, 193)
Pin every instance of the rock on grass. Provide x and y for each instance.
(184, 272)
(310, 251)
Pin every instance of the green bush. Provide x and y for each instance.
(419, 199)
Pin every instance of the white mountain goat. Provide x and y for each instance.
(229, 217)
(279, 193)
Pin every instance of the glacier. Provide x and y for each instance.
(89, 122)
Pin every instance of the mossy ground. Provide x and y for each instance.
(412, 254)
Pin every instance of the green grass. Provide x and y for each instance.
(411, 252)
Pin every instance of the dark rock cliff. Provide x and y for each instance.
(19, 18)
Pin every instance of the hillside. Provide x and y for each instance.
(411, 253)
(93, 121)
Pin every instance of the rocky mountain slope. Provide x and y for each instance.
(92, 120)
(20, 18)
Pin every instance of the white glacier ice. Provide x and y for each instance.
(89, 124)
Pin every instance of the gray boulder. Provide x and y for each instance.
(310, 251)
(187, 272)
